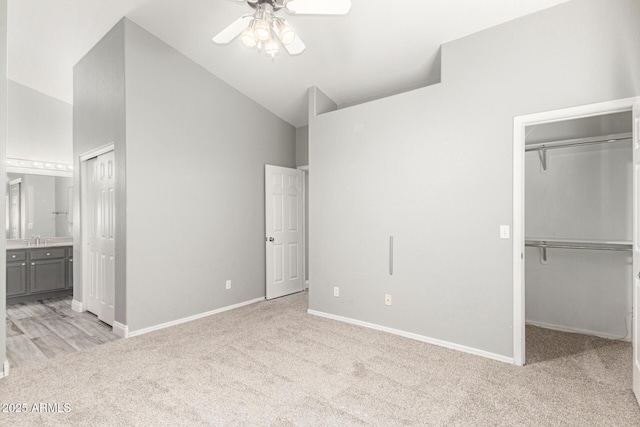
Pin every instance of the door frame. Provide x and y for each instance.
(84, 225)
(519, 134)
(305, 170)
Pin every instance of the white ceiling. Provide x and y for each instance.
(380, 48)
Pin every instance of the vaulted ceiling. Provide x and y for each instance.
(379, 48)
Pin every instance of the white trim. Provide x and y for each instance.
(416, 337)
(120, 330)
(88, 155)
(190, 318)
(578, 331)
(305, 282)
(5, 369)
(519, 124)
(77, 306)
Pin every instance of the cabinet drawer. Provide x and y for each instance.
(16, 256)
(48, 253)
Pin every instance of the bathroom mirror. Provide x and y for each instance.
(38, 205)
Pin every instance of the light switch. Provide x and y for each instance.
(504, 232)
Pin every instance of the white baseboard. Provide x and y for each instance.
(194, 317)
(416, 337)
(77, 306)
(120, 330)
(577, 331)
(5, 369)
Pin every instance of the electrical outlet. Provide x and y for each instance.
(504, 232)
(336, 292)
(228, 285)
(387, 300)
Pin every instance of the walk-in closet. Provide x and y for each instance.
(578, 232)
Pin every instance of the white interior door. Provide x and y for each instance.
(101, 236)
(636, 250)
(284, 232)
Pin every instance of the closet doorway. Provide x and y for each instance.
(97, 210)
(576, 246)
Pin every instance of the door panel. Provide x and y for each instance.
(48, 275)
(283, 210)
(16, 278)
(101, 239)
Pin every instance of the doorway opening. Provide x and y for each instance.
(97, 211)
(41, 320)
(577, 251)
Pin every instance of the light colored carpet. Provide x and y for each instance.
(272, 364)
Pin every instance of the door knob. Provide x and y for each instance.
(270, 239)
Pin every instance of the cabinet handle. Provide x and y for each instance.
(13, 256)
(33, 263)
(70, 259)
(48, 254)
(24, 263)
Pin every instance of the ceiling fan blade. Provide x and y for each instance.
(233, 30)
(318, 7)
(296, 47)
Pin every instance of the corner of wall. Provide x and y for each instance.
(3, 171)
(319, 102)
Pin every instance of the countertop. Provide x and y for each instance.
(40, 246)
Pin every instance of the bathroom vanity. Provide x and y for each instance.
(39, 271)
(39, 204)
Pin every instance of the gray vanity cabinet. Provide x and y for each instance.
(47, 271)
(38, 273)
(70, 267)
(16, 273)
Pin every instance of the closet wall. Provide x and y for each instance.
(584, 194)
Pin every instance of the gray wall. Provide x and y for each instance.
(39, 126)
(585, 194)
(196, 150)
(3, 154)
(98, 120)
(302, 146)
(302, 159)
(434, 168)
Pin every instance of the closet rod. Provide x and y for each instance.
(578, 141)
(595, 246)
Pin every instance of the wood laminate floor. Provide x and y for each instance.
(41, 330)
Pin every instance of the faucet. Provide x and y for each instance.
(36, 240)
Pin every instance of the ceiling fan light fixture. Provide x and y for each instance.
(263, 25)
(285, 32)
(249, 37)
(271, 47)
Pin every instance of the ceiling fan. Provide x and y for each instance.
(265, 30)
